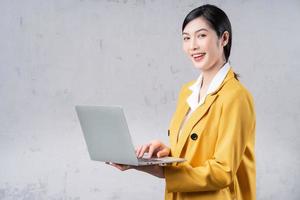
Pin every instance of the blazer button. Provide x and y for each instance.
(194, 136)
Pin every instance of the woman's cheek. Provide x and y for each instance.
(184, 48)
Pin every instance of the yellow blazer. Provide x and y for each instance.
(218, 143)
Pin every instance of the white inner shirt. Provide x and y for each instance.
(193, 99)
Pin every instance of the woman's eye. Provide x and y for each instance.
(201, 36)
(186, 38)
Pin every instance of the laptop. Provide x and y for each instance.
(108, 139)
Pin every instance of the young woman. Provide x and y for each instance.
(213, 126)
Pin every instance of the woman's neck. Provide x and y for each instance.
(209, 74)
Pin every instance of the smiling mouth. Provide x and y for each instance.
(198, 56)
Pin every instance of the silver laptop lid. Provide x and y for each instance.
(106, 134)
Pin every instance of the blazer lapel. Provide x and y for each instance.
(194, 118)
(178, 118)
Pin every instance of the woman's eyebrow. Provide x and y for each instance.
(201, 29)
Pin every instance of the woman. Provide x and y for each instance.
(213, 126)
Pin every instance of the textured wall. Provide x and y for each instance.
(56, 54)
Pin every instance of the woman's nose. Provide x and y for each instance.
(194, 45)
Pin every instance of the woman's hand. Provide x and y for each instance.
(154, 170)
(120, 166)
(154, 148)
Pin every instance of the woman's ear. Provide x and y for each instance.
(225, 38)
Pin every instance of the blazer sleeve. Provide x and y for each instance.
(237, 123)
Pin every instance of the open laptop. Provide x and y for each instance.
(107, 137)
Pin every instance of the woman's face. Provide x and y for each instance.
(202, 45)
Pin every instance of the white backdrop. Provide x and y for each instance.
(59, 53)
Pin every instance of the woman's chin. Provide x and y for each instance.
(198, 66)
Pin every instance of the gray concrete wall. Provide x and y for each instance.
(56, 54)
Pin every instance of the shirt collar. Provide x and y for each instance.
(192, 100)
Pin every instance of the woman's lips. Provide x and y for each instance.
(198, 57)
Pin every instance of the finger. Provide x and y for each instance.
(143, 150)
(151, 150)
(163, 153)
(153, 147)
(138, 150)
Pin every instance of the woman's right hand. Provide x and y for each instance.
(154, 148)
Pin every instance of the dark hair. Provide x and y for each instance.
(216, 18)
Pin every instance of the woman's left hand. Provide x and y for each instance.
(120, 166)
(154, 170)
